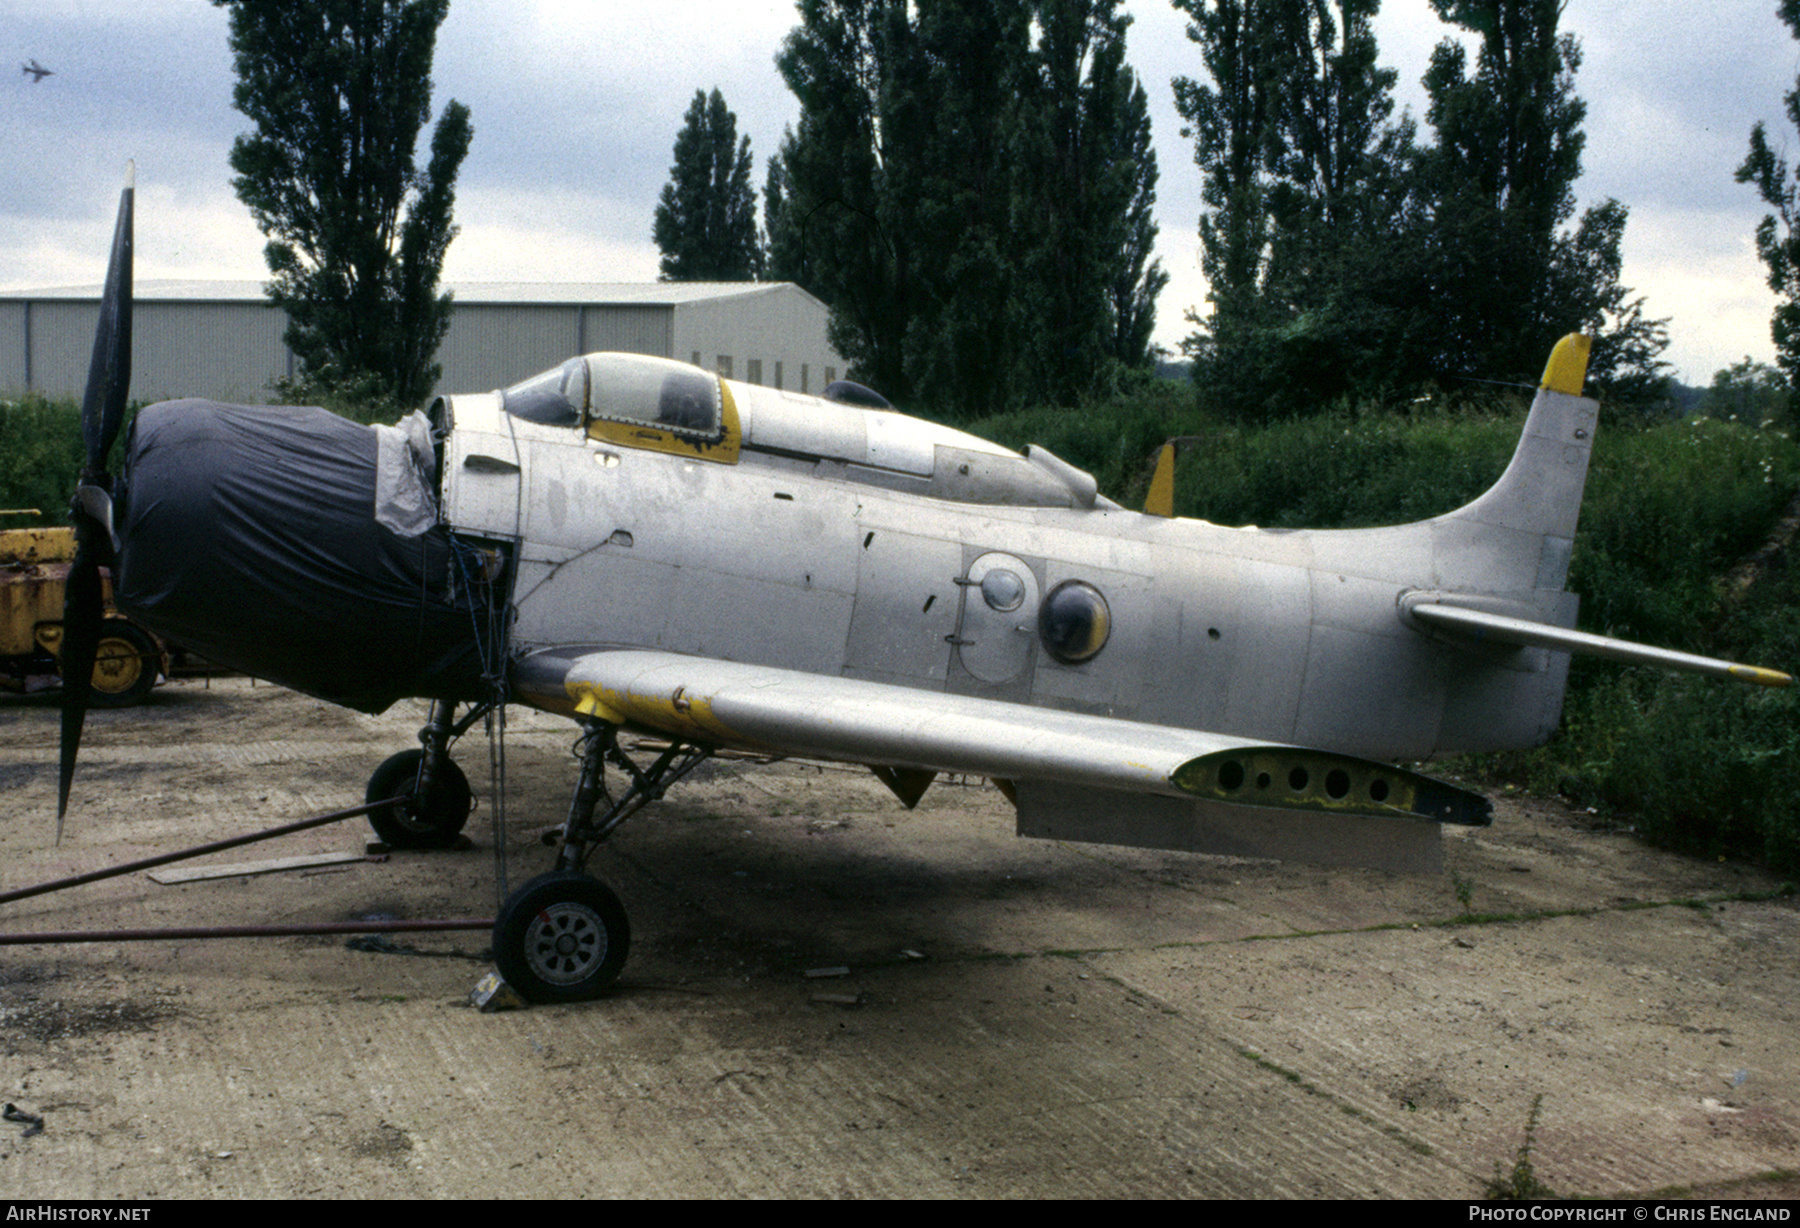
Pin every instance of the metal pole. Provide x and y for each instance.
(243, 931)
(215, 847)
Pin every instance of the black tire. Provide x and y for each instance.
(126, 663)
(562, 937)
(432, 822)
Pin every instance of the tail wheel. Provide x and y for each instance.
(433, 821)
(125, 665)
(562, 937)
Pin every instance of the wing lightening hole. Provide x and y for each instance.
(1378, 790)
(1337, 784)
(1231, 776)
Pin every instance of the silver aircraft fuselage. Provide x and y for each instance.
(854, 543)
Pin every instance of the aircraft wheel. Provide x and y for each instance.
(430, 822)
(126, 663)
(562, 937)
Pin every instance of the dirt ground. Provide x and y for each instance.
(1018, 1019)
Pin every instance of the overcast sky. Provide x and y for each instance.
(576, 104)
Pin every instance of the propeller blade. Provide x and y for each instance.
(102, 412)
(84, 608)
(109, 373)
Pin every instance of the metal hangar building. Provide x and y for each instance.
(222, 339)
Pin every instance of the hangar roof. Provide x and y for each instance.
(544, 293)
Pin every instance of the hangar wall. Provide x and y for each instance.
(772, 335)
(222, 339)
(187, 340)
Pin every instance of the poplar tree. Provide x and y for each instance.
(339, 91)
(1510, 279)
(1232, 122)
(706, 220)
(1778, 234)
(969, 189)
(1085, 132)
(1308, 202)
(833, 224)
(1136, 277)
(957, 188)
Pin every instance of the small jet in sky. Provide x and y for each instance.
(647, 547)
(37, 72)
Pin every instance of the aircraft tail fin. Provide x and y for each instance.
(1540, 492)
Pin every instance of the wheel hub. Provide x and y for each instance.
(116, 666)
(565, 943)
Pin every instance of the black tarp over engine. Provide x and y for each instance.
(249, 535)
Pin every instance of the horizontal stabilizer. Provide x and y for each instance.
(1484, 627)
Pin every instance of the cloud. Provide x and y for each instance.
(540, 234)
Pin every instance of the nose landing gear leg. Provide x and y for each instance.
(432, 798)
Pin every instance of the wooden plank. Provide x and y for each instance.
(271, 866)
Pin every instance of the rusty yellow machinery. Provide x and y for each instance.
(34, 571)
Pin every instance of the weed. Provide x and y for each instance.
(1465, 891)
(1522, 1183)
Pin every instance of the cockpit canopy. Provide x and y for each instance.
(626, 389)
(657, 405)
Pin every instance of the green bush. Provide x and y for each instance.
(1700, 765)
(360, 401)
(40, 457)
(1116, 439)
(1669, 509)
(1348, 468)
(41, 450)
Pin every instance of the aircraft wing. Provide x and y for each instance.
(789, 712)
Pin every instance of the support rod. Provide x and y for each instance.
(217, 846)
(51, 937)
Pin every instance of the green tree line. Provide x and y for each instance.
(969, 188)
(1347, 256)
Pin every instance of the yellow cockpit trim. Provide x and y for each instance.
(723, 450)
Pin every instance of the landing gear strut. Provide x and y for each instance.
(563, 936)
(433, 796)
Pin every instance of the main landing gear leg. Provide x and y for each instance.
(563, 936)
(432, 796)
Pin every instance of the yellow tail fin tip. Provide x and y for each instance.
(1567, 368)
